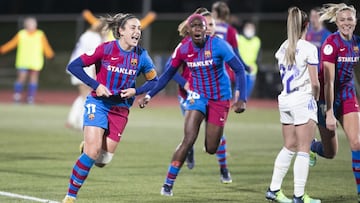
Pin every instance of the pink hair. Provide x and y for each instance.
(196, 16)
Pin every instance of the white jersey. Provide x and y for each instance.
(87, 43)
(296, 78)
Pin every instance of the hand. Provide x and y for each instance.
(239, 106)
(127, 93)
(102, 91)
(187, 86)
(144, 101)
(330, 121)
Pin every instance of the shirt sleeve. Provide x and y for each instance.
(313, 55)
(176, 60)
(223, 48)
(147, 66)
(329, 51)
(231, 37)
(90, 58)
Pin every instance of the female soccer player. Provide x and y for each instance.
(339, 56)
(225, 176)
(297, 60)
(209, 91)
(118, 63)
(32, 45)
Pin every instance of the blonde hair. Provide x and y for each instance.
(182, 26)
(330, 11)
(117, 21)
(296, 24)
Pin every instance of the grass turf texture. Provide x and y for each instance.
(37, 154)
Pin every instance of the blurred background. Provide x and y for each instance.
(63, 23)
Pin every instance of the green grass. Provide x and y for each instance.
(37, 154)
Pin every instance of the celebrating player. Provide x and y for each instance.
(297, 60)
(209, 91)
(225, 176)
(339, 56)
(118, 63)
(32, 45)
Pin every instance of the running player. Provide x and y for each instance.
(297, 60)
(32, 45)
(118, 63)
(225, 176)
(339, 56)
(209, 91)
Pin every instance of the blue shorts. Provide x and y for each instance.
(107, 115)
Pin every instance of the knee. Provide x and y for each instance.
(211, 149)
(103, 158)
(355, 145)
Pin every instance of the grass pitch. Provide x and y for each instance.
(37, 154)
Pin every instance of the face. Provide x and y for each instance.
(249, 30)
(314, 19)
(210, 27)
(131, 34)
(30, 24)
(346, 22)
(197, 30)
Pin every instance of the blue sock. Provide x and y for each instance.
(317, 147)
(356, 168)
(173, 171)
(18, 87)
(79, 174)
(32, 90)
(221, 153)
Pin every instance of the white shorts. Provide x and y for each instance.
(297, 110)
(88, 70)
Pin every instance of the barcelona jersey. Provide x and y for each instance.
(117, 69)
(345, 55)
(208, 76)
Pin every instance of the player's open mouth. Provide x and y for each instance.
(135, 37)
(197, 36)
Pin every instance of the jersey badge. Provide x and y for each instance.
(91, 116)
(356, 49)
(208, 54)
(134, 62)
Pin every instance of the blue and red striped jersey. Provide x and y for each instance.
(208, 76)
(117, 69)
(345, 55)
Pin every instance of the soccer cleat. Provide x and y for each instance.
(190, 161)
(166, 190)
(312, 160)
(81, 147)
(68, 199)
(225, 176)
(277, 196)
(305, 199)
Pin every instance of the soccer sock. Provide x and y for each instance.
(281, 166)
(18, 87)
(221, 153)
(173, 171)
(356, 168)
(301, 171)
(318, 148)
(32, 91)
(79, 174)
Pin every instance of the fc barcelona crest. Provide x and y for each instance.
(91, 116)
(356, 49)
(207, 54)
(134, 62)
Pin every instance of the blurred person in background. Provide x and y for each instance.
(221, 13)
(249, 48)
(297, 61)
(87, 43)
(32, 45)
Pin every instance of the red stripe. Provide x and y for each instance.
(356, 160)
(357, 181)
(82, 166)
(220, 152)
(221, 160)
(77, 175)
(70, 191)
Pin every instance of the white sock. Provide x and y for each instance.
(281, 166)
(75, 117)
(301, 171)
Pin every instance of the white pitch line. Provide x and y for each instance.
(8, 194)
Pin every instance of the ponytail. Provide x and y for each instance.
(329, 11)
(296, 24)
(117, 21)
